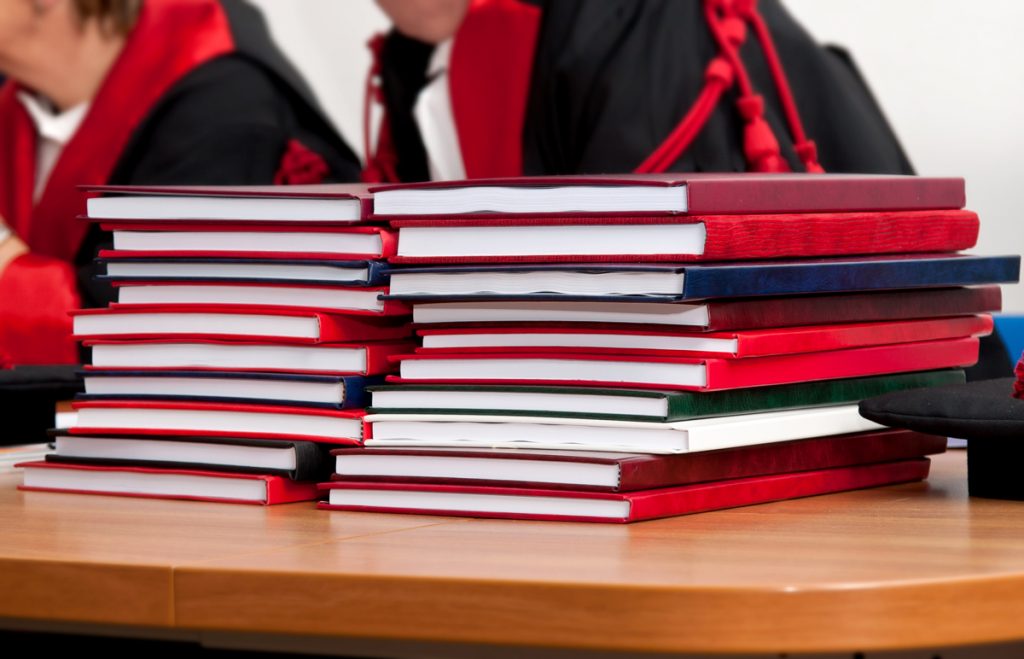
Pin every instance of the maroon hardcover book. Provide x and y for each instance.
(624, 472)
(566, 505)
(705, 193)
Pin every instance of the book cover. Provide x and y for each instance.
(640, 404)
(195, 485)
(526, 468)
(570, 238)
(576, 506)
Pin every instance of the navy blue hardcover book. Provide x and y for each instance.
(247, 270)
(674, 283)
(327, 391)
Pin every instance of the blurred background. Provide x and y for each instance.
(949, 75)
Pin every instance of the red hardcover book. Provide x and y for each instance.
(682, 373)
(207, 354)
(624, 472)
(684, 238)
(718, 315)
(579, 506)
(254, 295)
(222, 487)
(670, 193)
(740, 344)
(165, 239)
(299, 204)
(227, 322)
(167, 418)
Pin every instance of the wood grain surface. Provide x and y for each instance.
(911, 566)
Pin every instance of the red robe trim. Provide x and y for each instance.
(489, 82)
(154, 58)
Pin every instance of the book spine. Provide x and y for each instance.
(653, 504)
(855, 307)
(376, 273)
(841, 337)
(688, 405)
(784, 457)
(786, 279)
(876, 360)
(805, 195)
(284, 490)
(732, 237)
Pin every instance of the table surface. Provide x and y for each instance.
(909, 566)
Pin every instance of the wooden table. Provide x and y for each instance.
(911, 566)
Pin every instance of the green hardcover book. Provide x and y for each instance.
(640, 404)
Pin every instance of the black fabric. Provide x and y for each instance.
(404, 64)
(982, 410)
(225, 123)
(993, 359)
(611, 79)
(28, 400)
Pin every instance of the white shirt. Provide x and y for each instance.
(433, 113)
(54, 130)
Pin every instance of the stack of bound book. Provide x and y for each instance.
(629, 347)
(248, 323)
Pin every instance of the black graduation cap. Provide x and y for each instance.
(986, 413)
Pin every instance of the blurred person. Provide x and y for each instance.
(481, 88)
(132, 92)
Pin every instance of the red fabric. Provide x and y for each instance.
(300, 166)
(36, 293)
(727, 20)
(171, 38)
(1018, 385)
(489, 81)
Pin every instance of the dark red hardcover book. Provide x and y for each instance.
(738, 344)
(732, 193)
(275, 324)
(578, 506)
(148, 483)
(169, 418)
(627, 472)
(682, 373)
(725, 237)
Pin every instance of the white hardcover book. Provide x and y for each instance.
(411, 430)
(643, 313)
(326, 299)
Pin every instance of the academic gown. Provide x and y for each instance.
(199, 95)
(576, 86)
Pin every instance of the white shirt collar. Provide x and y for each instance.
(57, 127)
(440, 58)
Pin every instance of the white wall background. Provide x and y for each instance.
(949, 74)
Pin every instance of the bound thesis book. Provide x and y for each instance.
(695, 282)
(209, 322)
(186, 269)
(686, 373)
(669, 193)
(297, 460)
(300, 204)
(162, 483)
(623, 472)
(334, 391)
(739, 344)
(433, 430)
(338, 359)
(171, 418)
(718, 315)
(357, 300)
(638, 404)
(288, 242)
(579, 506)
(684, 238)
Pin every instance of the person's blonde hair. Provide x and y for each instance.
(116, 16)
